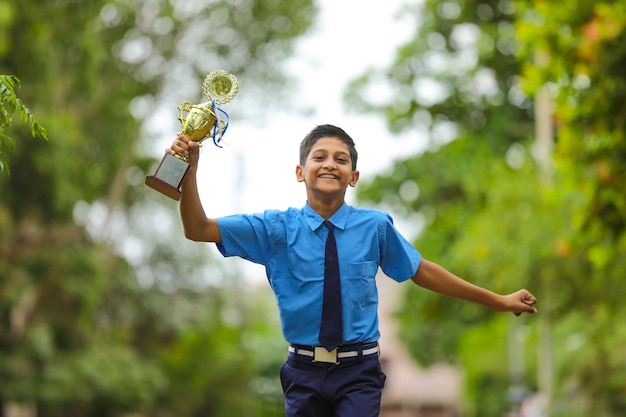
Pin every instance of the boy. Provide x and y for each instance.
(332, 372)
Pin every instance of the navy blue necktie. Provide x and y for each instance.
(331, 329)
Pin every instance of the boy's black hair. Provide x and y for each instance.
(323, 131)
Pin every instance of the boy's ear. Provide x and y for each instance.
(354, 179)
(299, 176)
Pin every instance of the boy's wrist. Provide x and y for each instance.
(190, 175)
(500, 303)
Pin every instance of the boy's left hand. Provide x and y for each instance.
(519, 302)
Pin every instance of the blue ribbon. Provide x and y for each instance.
(218, 138)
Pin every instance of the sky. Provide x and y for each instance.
(259, 161)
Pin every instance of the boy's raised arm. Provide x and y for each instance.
(436, 278)
(196, 224)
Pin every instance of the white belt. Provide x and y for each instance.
(320, 354)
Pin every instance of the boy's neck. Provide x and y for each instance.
(325, 208)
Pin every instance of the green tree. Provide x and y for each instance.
(498, 215)
(576, 53)
(95, 301)
(455, 79)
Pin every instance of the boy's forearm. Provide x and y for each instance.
(191, 212)
(436, 278)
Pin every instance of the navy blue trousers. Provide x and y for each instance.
(352, 388)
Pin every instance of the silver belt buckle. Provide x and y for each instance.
(320, 354)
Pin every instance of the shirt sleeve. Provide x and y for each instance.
(246, 236)
(398, 258)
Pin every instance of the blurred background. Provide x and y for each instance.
(493, 131)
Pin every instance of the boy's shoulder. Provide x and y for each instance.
(369, 212)
(275, 214)
(370, 216)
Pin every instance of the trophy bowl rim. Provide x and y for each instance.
(220, 98)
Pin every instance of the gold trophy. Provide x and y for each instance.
(202, 121)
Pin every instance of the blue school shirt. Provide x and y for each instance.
(290, 244)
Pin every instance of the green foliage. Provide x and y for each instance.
(455, 80)
(102, 313)
(112, 377)
(51, 350)
(9, 104)
(495, 216)
(577, 52)
(482, 368)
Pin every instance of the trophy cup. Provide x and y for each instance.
(202, 121)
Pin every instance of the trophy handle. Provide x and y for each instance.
(185, 107)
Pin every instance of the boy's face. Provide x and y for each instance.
(328, 168)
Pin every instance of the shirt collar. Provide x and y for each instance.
(338, 219)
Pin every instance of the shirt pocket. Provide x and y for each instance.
(362, 281)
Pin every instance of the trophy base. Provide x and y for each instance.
(168, 176)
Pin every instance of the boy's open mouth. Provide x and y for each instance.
(329, 176)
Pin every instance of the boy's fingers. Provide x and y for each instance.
(529, 300)
(182, 146)
(529, 309)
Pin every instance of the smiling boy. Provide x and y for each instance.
(343, 379)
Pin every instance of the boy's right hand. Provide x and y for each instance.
(182, 145)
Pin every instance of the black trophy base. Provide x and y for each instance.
(168, 176)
